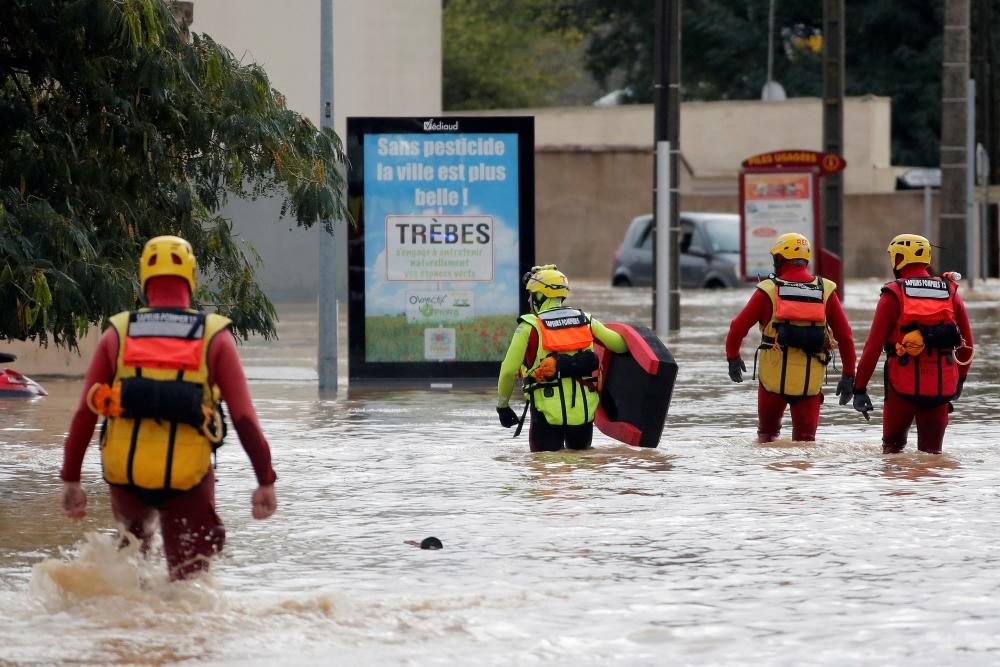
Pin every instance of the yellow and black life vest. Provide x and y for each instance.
(169, 422)
(561, 380)
(794, 349)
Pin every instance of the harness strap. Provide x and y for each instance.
(770, 343)
(520, 423)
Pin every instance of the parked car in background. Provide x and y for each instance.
(709, 252)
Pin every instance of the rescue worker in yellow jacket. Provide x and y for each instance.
(157, 378)
(552, 350)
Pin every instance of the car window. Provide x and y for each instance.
(645, 239)
(723, 234)
(687, 235)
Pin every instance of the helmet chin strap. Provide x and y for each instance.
(537, 300)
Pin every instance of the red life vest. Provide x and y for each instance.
(926, 304)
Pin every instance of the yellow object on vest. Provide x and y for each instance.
(105, 400)
(912, 344)
(546, 370)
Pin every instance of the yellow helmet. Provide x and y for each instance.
(167, 256)
(914, 249)
(548, 281)
(792, 246)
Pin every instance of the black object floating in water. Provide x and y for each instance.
(431, 543)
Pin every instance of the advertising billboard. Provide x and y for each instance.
(445, 212)
(774, 204)
(780, 193)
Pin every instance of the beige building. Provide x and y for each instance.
(387, 59)
(594, 170)
(717, 136)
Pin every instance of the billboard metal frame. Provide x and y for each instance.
(359, 369)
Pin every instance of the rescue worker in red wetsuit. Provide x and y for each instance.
(796, 313)
(922, 325)
(157, 377)
(552, 350)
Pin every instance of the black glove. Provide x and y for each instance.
(508, 417)
(736, 369)
(862, 403)
(958, 392)
(845, 389)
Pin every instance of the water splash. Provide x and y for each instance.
(100, 570)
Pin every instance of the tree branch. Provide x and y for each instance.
(24, 95)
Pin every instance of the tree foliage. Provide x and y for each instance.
(498, 54)
(114, 130)
(893, 49)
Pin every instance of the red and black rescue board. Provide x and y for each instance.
(635, 387)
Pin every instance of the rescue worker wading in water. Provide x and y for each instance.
(921, 324)
(796, 313)
(157, 377)
(552, 350)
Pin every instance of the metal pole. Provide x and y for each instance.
(986, 240)
(927, 213)
(674, 137)
(327, 242)
(663, 322)
(833, 125)
(983, 179)
(952, 209)
(770, 44)
(970, 181)
(667, 62)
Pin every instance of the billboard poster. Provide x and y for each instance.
(774, 203)
(445, 230)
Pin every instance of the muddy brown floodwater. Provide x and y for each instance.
(711, 550)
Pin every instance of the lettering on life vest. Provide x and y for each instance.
(800, 301)
(926, 288)
(925, 300)
(565, 330)
(563, 318)
(164, 339)
(166, 324)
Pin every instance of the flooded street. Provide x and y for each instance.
(711, 550)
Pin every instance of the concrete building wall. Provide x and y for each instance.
(387, 57)
(717, 136)
(587, 197)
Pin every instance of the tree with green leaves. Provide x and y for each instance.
(892, 48)
(498, 54)
(113, 130)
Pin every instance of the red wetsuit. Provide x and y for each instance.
(898, 413)
(771, 406)
(192, 531)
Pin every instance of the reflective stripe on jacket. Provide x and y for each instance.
(794, 347)
(167, 349)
